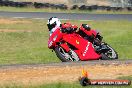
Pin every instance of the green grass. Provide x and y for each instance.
(32, 9)
(63, 85)
(25, 47)
(77, 85)
(31, 47)
(126, 77)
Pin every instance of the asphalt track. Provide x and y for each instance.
(67, 16)
(64, 64)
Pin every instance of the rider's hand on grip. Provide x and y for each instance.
(63, 30)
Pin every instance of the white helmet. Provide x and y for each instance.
(53, 22)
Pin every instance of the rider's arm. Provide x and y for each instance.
(68, 28)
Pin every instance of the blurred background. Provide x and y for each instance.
(72, 4)
(119, 3)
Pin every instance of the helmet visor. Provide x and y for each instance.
(51, 26)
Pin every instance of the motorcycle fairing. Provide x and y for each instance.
(55, 37)
(65, 46)
(84, 49)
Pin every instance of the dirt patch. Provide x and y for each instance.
(51, 74)
(12, 21)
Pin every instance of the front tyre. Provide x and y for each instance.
(64, 56)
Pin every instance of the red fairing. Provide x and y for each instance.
(94, 32)
(90, 32)
(65, 46)
(89, 53)
(68, 25)
(84, 50)
(55, 37)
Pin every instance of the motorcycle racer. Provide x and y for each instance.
(71, 43)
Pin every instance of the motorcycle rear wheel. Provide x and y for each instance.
(64, 56)
(109, 55)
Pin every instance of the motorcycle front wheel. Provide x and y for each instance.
(66, 56)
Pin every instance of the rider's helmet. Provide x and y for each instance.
(53, 22)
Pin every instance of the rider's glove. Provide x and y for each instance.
(63, 30)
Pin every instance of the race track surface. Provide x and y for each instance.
(67, 16)
(63, 64)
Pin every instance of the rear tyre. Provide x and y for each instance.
(111, 54)
(64, 56)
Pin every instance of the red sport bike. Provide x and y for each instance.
(78, 46)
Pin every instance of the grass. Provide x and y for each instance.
(32, 9)
(25, 47)
(64, 85)
(126, 77)
(77, 85)
(31, 47)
